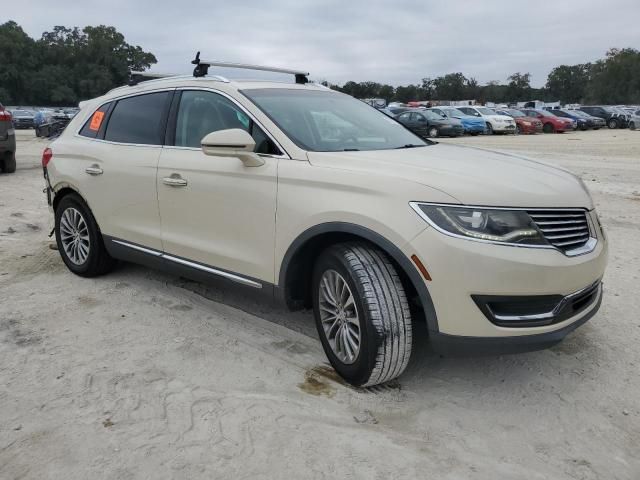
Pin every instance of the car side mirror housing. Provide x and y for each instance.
(233, 142)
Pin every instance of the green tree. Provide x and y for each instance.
(616, 79)
(66, 64)
(569, 82)
(519, 87)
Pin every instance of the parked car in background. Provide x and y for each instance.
(581, 123)
(472, 125)
(594, 123)
(634, 121)
(23, 118)
(496, 123)
(550, 122)
(7, 142)
(524, 123)
(429, 124)
(608, 114)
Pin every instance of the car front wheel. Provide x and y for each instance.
(548, 128)
(362, 313)
(612, 123)
(432, 132)
(79, 239)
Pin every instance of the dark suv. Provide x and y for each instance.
(608, 114)
(7, 142)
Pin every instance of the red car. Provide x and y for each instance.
(524, 123)
(550, 122)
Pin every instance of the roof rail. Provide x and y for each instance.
(202, 68)
(136, 77)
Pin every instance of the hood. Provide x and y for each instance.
(471, 175)
(498, 117)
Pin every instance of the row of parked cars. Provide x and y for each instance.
(29, 117)
(475, 120)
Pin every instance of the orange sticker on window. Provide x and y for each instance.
(96, 121)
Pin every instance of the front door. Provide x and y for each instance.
(216, 211)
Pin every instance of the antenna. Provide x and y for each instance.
(202, 68)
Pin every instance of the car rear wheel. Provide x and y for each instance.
(8, 163)
(612, 123)
(632, 125)
(432, 132)
(79, 239)
(489, 129)
(548, 128)
(362, 313)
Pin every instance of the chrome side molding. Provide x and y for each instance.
(197, 266)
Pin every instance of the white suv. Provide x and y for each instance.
(331, 205)
(496, 123)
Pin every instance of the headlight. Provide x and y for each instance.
(528, 124)
(484, 224)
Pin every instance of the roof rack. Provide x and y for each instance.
(202, 68)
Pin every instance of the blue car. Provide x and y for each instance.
(472, 125)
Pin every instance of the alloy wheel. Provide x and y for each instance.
(339, 316)
(74, 235)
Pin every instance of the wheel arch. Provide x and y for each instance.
(294, 280)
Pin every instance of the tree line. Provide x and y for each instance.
(65, 65)
(614, 79)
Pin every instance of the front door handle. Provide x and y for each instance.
(175, 180)
(94, 170)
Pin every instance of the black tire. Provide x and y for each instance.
(8, 163)
(632, 125)
(98, 261)
(612, 123)
(548, 128)
(474, 134)
(489, 129)
(518, 130)
(382, 307)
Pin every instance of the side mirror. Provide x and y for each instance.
(233, 142)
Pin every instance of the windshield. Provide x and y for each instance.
(431, 115)
(454, 112)
(485, 111)
(515, 113)
(324, 121)
(545, 113)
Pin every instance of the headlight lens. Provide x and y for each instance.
(501, 226)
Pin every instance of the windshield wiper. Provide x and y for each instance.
(350, 149)
(410, 145)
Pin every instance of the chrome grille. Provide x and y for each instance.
(564, 229)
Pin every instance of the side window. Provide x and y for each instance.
(418, 117)
(202, 112)
(95, 122)
(138, 119)
(404, 117)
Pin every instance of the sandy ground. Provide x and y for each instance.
(143, 375)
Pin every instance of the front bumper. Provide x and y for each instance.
(462, 269)
(474, 127)
(530, 128)
(504, 127)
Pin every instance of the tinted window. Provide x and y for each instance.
(138, 119)
(202, 112)
(96, 120)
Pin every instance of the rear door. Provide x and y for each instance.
(117, 171)
(216, 212)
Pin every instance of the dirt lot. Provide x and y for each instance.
(143, 375)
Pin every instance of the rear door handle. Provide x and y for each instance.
(175, 180)
(94, 170)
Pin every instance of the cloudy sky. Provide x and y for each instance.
(397, 42)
